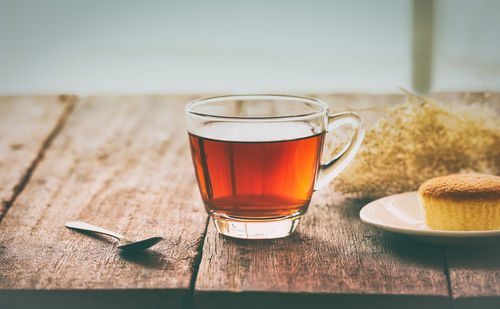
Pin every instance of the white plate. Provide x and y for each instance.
(402, 213)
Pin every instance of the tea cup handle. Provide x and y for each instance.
(332, 168)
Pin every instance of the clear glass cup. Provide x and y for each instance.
(257, 159)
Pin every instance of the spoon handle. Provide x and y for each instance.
(82, 226)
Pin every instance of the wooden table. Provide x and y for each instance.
(123, 162)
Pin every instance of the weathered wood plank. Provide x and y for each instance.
(332, 254)
(475, 275)
(122, 163)
(25, 127)
(120, 153)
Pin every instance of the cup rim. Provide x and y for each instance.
(323, 106)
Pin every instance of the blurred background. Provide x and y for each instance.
(100, 47)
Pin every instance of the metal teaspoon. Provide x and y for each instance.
(124, 242)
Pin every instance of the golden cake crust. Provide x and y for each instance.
(462, 187)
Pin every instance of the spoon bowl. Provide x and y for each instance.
(124, 243)
(139, 244)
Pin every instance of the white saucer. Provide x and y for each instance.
(402, 213)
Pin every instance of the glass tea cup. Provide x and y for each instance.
(257, 159)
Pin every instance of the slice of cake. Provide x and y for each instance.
(461, 202)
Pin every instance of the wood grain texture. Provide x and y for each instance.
(475, 275)
(121, 163)
(332, 254)
(25, 126)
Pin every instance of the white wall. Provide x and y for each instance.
(467, 45)
(199, 46)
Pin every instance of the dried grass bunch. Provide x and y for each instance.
(421, 139)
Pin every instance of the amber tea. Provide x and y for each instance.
(256, 179)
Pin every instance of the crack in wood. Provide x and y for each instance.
(447, 274)
(195, 266)
(69, 101)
